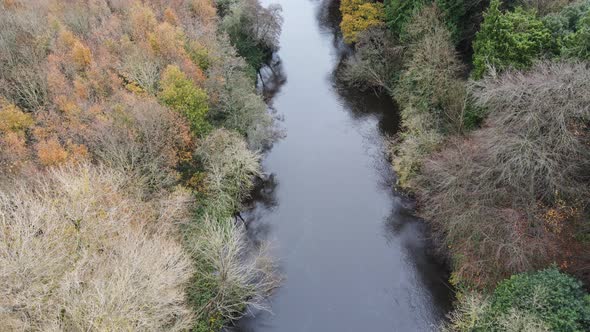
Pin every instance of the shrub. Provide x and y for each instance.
(511, 39)
(430, 92)
(230, 169)
(432, 82)
(15, 153)
(12, 119)
(51, 152)
(81, 55)
(358, 16)
(551, 296)
(79, 253)
(546, 300)
(375, 64)
(235, 104)
(234, 276)
(178, 92)
(253, 30)
(577, 44)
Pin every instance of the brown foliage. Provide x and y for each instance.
(500, 199)
(204, 10)
(51, 152)
(145, 140)
(541, 140)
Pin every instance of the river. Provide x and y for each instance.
(353, 256)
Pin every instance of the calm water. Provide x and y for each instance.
(353, 257)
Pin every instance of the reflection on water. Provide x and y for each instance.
(271, 79)
(354, 256)
(262, 201)
(328, 17)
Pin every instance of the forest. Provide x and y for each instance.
(495, 146)
(130, 135)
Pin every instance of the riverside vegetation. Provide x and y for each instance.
(495, 144)
(129, 138)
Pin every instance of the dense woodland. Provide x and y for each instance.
(130, 134)
(495, 144)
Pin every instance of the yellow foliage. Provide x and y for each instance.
(12, 119)
(134, 87)
(358, 16)
(67, 39)
(81, 55)
(50, 152)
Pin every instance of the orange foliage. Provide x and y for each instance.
(67, 106)
(193, 72)
(78, 53)
(204, 10)
(83, 75)
(56, 80)
(167, 41)
(170, 16)
(143, 21)
(80, 88)
(51, 153)
(10, 3)
(13, 152)
(78, 152)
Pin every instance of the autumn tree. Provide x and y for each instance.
(254, 30)
(358, 16)
(178, 92)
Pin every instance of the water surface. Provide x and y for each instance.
(353, 256)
